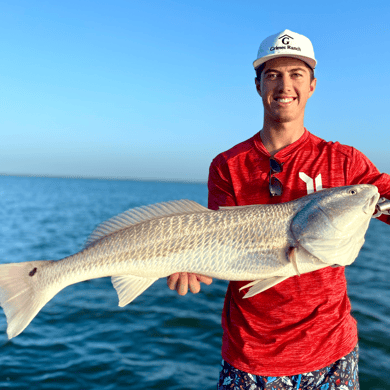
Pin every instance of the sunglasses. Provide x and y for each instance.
(275, 185)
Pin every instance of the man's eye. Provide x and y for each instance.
(271, 76)
(297, 75)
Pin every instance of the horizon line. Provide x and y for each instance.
(118, 178)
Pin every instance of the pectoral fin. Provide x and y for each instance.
(259, 286)
(332, 251)
(129, 287)
(292, 256)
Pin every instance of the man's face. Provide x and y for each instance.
(285, 87)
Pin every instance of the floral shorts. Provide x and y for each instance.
(341, 375)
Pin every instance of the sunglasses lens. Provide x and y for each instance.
(275, 166)
(275, 187)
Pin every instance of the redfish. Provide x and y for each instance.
(265, 244)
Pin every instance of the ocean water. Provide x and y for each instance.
(82, 340)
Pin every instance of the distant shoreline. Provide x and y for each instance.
(188, 181)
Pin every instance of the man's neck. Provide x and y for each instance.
(278, 137)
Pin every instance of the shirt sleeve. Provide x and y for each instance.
(365, 172)
(220, 185)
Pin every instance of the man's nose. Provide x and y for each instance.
(285, 83)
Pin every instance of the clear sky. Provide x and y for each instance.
(155, 89)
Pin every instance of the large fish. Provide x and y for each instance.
(265, 244)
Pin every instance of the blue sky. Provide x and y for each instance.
(156, 89)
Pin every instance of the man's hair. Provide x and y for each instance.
(259, 71)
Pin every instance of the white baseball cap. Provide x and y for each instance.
(286, 44)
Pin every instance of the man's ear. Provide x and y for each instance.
(313, 85)
(257, 82)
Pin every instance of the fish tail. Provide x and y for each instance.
(21, 296)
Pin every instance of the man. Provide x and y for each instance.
(299, 333)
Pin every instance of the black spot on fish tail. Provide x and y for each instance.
(32, 273)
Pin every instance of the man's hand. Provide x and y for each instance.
(181, 280)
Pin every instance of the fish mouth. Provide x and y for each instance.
(369, 206)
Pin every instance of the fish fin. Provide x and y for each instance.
(20, 296)
(257, 206)
(259, 286)
(292, 256)
(306, 258)
(142, 214)
(251, 284)
(330, 251)
(129, 287)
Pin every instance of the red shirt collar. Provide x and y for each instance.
(285, 151)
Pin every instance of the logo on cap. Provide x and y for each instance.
(286, 42)
(286, 39)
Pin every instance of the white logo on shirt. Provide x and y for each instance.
(310, 182)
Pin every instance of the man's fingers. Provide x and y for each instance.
(182, 285)
(204, 279)
(178, 282)
(194, 283)
(181, 280)
(172, 281)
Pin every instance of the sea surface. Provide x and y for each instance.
(82, 340)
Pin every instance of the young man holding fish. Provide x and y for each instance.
(299, 333)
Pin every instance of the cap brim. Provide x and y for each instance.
(312, 63)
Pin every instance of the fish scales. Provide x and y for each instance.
(163, 247)
(142, 247)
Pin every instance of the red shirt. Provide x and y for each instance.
(304, 323)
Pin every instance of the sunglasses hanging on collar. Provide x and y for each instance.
(275, 185)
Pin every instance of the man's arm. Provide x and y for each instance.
(365, 172)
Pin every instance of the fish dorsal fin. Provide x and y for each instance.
(142, 214)
(239, 207)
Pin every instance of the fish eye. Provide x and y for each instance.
(352, 192)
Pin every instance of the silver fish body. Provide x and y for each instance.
(263, 243)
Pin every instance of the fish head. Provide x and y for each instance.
(346, 208)
(332, 224)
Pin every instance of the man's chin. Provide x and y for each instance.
(283, 119)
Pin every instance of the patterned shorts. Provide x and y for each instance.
(341, 375)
